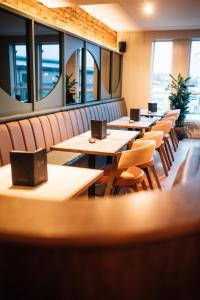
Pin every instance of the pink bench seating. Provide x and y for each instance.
(47, 130)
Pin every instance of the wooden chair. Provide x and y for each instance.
(165, 126)
(172, 132)
(174, 113)
(156, 136)
(123, 172)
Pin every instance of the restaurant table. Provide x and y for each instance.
(142, 125)
(159, 113)
(63, 183)
(115, 140)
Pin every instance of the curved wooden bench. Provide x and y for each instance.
(44, 131)
(144, 246)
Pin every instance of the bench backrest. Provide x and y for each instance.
(48, 130)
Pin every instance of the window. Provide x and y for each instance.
(91, 78)
(194, 86)
(47, 42)
(161, 68)
(13, 53)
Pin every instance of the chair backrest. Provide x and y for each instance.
(142, 151)
(156, 136)
(174, 113)
(170, 118)
(164, 126)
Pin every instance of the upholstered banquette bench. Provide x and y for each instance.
(44, 129)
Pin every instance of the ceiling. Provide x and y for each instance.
(128, 15)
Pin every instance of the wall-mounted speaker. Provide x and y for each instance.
(122, 47)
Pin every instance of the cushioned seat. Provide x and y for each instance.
(46, 130)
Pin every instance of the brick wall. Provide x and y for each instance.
(72, 19)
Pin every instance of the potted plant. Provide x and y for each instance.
(179, 99)
(70, 88)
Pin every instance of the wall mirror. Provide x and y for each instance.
(105, 74)
(48, 61)
(74, 77)
(13, 54)
(91, 78)
(116, 75)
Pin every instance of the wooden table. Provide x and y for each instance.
(108, 146)
(63, 183)
(142, 125)
(146, 113)
(116, 134)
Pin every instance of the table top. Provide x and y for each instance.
(123, 122)
(116, 134)
(159, 113)
(108, 146)
(63, 183)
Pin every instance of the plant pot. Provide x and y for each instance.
(180, 132)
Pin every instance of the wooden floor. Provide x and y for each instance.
(179, 156)
(166, 182)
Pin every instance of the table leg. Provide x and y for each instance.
(91, 161)
(109, 160)
(91, 165)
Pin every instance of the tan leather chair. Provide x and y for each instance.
(156, 136)
(165, 126)
(123, 172)
(174, 113)
(172, 132)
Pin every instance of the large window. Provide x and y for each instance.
(194, 86)
(161, 68)
(13, 53)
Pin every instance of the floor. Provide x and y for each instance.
(184, 146)
(166, 182)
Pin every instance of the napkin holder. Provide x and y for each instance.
(98, 129)
(135, 114)
(152, 107)
(28, 168)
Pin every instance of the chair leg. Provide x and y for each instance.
(168, 154)
(170, 150)
(149, 178)
(135, 187)
(175, 137)
(116, 190)
(144, 186)
(156, 176)
(166, 159)
(173, 140)
(163, 161)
